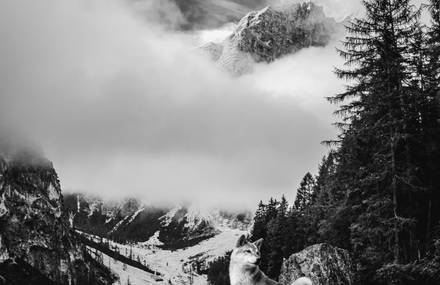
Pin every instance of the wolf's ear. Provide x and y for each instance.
(241, 241)
(258, 243)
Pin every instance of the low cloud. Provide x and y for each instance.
(124, 107)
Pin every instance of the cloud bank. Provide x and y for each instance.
(125, 107)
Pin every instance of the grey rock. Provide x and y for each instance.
(323, 263)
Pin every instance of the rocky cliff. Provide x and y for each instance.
(268, 34)
(323, 263)
(35, 239)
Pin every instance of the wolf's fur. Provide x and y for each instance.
(244, 270)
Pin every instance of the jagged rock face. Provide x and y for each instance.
(323, 263)
(139, 226)
(90, 215)
(127, 220)
(33, 229)
(268, 34)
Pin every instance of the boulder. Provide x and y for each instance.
(323, 263)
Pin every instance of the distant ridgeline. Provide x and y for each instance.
(131, 221)
(36, 243)
(121, 221)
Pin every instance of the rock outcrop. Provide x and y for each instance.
(265, 35)
(35, 238)
(323, 263)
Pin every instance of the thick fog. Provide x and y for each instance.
(124, 105)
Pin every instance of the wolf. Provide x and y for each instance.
(244, 270)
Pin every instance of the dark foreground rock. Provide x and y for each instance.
(323, 263)
(36, 243)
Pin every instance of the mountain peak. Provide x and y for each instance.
(272, 32)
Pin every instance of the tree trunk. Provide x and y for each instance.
(395, 208)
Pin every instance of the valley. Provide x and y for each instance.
(181, 266)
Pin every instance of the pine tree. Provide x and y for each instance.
(259, 226)
(271, 209)
(434, 48)
(276, 230)
(269, 219)
(304, 194)
(293, 242)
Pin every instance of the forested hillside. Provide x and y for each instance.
(377, 192)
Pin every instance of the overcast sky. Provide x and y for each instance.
(125, 107)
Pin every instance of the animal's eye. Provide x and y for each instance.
(248, 251)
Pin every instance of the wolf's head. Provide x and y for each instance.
(246, 253)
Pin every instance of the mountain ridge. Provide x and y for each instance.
(132, 221)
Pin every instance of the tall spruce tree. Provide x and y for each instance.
(382, 109)
(304, 194)
(259, 225)
(434, 46)
(276, 231)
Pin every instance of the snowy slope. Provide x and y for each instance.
(179, 266)
(127, 274)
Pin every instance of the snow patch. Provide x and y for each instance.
(168, 217)
(116, 227)
(53, 193)
(3, 209)
(135, 215)
(153, 240)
